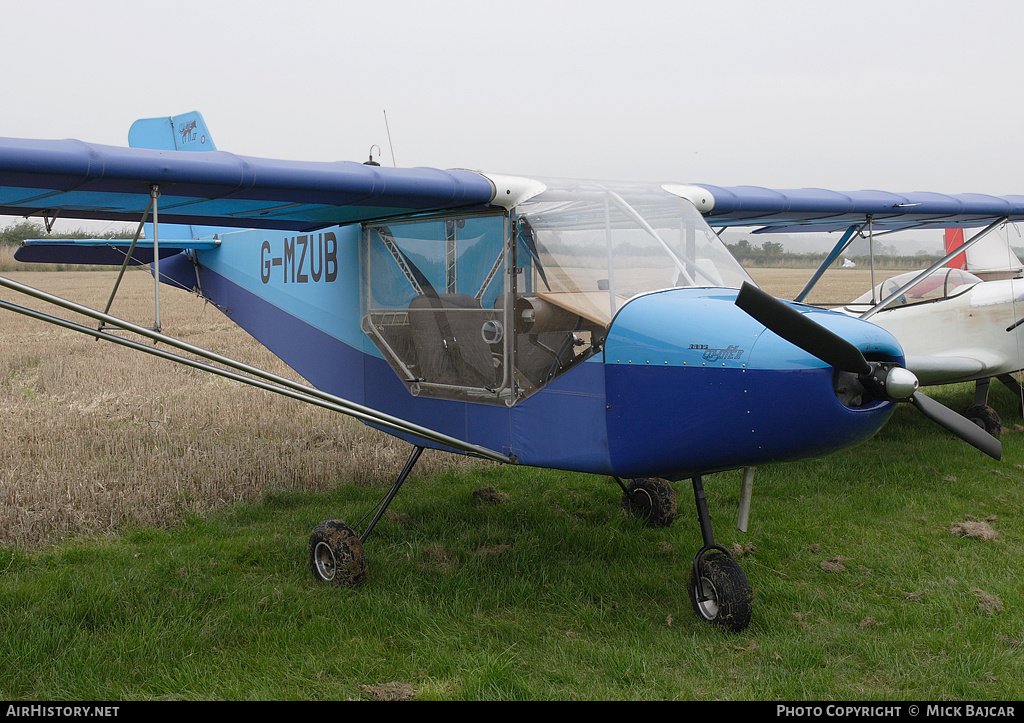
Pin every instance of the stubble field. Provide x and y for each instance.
(96, 437)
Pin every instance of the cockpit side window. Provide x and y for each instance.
(939, 284)
(434, 304)
(439, 301)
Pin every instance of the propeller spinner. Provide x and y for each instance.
(886, 381)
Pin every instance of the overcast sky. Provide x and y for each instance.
(900, 96)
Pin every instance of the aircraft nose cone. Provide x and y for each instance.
(901, 383)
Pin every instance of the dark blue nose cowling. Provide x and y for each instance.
(695, 385)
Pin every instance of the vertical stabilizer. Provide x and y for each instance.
(955, 239)
(185, 132)
(990, 258)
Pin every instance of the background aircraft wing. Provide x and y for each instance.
(961, 366)
(820, 210)
(73, 179)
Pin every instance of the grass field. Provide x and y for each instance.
(154, 522)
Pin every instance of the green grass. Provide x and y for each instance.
(555, 593)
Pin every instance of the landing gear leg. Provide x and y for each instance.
(718, 589)
(409, 464)
(336, 552)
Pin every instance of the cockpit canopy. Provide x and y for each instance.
(939, 284)
(491, 305)
(596, 246)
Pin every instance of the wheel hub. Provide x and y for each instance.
(326, 565)
(707, 598)
(642, 501)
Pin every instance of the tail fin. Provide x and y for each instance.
(185, 132)
(955, 239)
(990, 258)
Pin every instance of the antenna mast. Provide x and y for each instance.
(388, 128)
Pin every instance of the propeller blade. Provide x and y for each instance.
(958, 425)
(797, 329)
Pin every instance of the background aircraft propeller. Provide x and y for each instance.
(887, 381)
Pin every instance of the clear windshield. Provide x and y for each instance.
(593, 247)
(939, 284)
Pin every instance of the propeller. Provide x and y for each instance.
(799, 330)
(889, 381)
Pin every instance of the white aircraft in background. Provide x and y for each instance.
(959, 322)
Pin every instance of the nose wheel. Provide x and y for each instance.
(719, 592)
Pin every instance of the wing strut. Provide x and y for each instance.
(832, 256)
(264, 380)
(154, 194)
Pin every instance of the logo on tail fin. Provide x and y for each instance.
(187, 131)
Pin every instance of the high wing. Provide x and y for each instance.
(820, 210)
(74, 179)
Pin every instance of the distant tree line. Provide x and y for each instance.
(15, 234)
(773, 253)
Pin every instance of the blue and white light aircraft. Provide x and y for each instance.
(594, 327)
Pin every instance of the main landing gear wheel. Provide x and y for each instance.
(985, 417)
(336, 554)
(719, 592)
(650, 499)
(336, 551)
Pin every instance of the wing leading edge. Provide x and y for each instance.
(821, 210)
(74, 179)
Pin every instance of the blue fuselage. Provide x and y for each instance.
(685, 383)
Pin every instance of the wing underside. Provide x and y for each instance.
(72, 179)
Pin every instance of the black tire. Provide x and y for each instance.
(652, 500)
(985, 417)
(336, 554)
(724, 597)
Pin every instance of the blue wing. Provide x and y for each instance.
(73, 179)
(819, 210)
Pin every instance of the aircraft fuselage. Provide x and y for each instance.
(683, 382)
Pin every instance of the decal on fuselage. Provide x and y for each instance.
(302, 259)
(731, 352)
